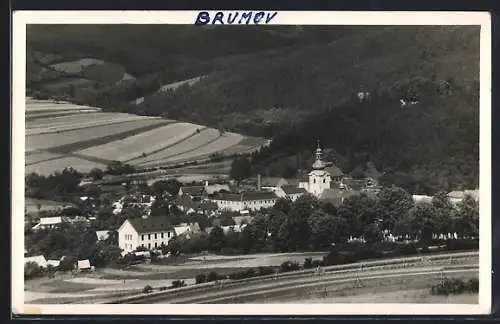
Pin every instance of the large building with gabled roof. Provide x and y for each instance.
(245, 201)
(148, 232)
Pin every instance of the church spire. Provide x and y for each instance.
(318, 163)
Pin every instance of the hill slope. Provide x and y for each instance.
(300, 84)
(60, 135)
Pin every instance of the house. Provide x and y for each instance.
(270, 183)
(458, 196)
(246, 201)
(422, 199)
(187, 229)
(291, 192)
(84, 265)
(184, 203)
(39, 259)
(196, 193)
(48, 222)
(211, 189)
(240, 220)
(102, 235)
(53, 263)
(147, 232)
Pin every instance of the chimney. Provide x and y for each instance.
(258, 182)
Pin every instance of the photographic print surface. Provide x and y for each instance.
(286, 163)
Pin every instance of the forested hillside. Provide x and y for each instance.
(298, 85)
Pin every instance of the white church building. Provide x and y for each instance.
(320, 178)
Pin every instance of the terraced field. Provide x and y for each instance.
(60, 135)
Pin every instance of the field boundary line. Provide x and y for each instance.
(169, 145)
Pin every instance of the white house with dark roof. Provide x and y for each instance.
(148, 232)
(245, 201)
(48, 222)
(194, 192)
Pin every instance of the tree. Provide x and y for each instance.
(240, 169)
(170, 186)
(32, 270)
(393, 204)
(358, 211)
(288, 171)
(294, 232)
(176, 244)
(326, 229)
(444, 212)
(358, 172)
(468, 216)
(217, 239)
(423, 221)
(159, 208)
(96, 174)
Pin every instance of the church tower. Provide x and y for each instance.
(319, 179)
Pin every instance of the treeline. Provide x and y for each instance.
(309, 224)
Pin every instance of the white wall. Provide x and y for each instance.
(126, 243)
(150, 240)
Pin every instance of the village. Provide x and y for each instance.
(152, 221)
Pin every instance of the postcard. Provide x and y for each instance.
(275, 162)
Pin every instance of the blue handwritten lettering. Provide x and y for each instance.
(269, 17)
(218, 17)
(203, 18)
(258, 17)
(247, 15)
(230, 18)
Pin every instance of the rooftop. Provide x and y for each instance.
(248, 196)
(150, 224)
(193, 190)
(290, 190)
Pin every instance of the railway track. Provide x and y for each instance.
(467, 262)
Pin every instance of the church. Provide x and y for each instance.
(322, 176)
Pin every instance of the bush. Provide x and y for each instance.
(453, 245)
(264, 271)
(200, 278)
(162, 288)
(67, 263)
(212, 276)
(455, 286)
(473, 285)
(32, 270)
(317, 263)
(425, 249)
(308, 263)
(178, 283)
(334, 258)
(407, 249)
(147, 289)
(288, 266)
(248, 273)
